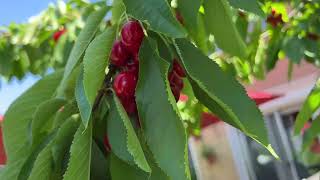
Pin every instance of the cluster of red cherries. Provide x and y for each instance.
(275, 18)
(124, 56)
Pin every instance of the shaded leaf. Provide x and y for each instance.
(189, 11)
(99, 164)
(294, 49)
(42, 116)
(248, 5)
(162, 126)
(219, 22)
(157, 14)
(120, 170)
(48, 162)
(122, 137)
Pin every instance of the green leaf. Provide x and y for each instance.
(122, 137)
(82, 101)
(162, 126)
(157, 14)
(311, 133)
(118, 10)
(95, 62)
(84, 38)
(120, 170)
(41, 119)
(294, 49)
(20, 113)
(273, 48)
(309, 107)
(248, 5)
(45, 165)
(80, 158)
(67, 111)
(219, 22)
(99, 164)
(222, 94)
(189, 11)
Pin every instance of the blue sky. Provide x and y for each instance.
(17, 11)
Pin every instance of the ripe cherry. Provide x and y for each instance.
(125, 84)
(58, 34)
(175, 80)
(179, 17)
(133, 67)
(132, 36)
(176, 92)
(129, 104)
(107, 143)
(119, 54)
(178, 69)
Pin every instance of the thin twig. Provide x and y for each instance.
(106, 84)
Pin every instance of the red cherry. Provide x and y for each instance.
(119, 54)
(133, 67)
(178, 69)
(176, 92)
(132, 36)
(175, 80)
(58, 34)
(312, 36)
(106, 143)
(125, 84)
(179, 17)
(129, 105)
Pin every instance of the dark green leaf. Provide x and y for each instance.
(248, 5)
(99, 164)
(157, 14)
(95, 62)
(273, 48)
(122, 137)
(121, 170)
(309, 107)
(48, 162)
(219, 22)
(42, 118)
(163, 128)
(221, 93)
(189, 11)
(84, 38)
(294, 49)
(80, 158)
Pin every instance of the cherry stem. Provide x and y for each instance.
(103, 89)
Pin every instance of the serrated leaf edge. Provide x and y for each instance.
(131, 150)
